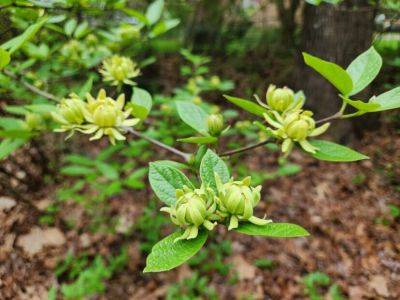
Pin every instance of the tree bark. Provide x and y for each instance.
(287, 13)
(337, 33)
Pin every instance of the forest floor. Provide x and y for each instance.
(354, 239)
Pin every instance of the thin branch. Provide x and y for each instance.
(243, 149)
(31, 87)
(336, 116)
(173, 150)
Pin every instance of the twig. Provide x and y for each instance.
(184, 155)
(336, 116)
(31, 87)
(243, 149)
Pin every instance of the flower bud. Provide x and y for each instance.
(92, 39)
(215, 81)
(34, 121)
(197, 100)
(70, 111)
(215, 124)
(237, 199)
(279, 99)
(299, 125)
(295, 126)
(105, 116)
(193, 208)
(119, 70)
(298, 130)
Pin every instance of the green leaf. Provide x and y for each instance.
(166, 255)
(388, 100)
(107, 170)
(247, 105)
(332, 72)
(41, 108)
(163, 27)
(154, 11)
(16, 109)
(86, 87)
(364, 69)
(277, 230)
(330, 151)
(134, 13)
(200, 140)
(8, 146)
(314, 2)
(4, 58)
(11, 123)
(193, 115)
(70, 26)
(75, 170)
(17, 42)
(80, 160)
(81, 30)
(362, 106)
(164, 181)
(16, 133)
(141, 102)
(174, 164)
(211, 164)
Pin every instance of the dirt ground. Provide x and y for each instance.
(341, 205)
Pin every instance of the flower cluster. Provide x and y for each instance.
(99, 116)
(289, 121)
(233, 201)
(119, 70)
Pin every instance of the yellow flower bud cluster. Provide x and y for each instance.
(234, 201)
(119, 70)
(288, 121)
(98, 116)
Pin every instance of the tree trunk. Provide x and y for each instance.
(287, 13)
(336, 33)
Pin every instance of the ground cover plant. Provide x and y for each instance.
(81, 75)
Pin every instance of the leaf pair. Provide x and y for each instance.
(355, 78)
(165, 178)
(358, 75)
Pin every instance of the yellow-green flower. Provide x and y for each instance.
(215, 80)
(69, 114)
(295, 126)
(119, 70)
(107, 116)
(99, 116)
(193, 208)
(34, 121)
(236, 200)
(279, 99)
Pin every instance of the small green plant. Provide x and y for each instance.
(213, 258)
(149, 226)
(264, 263)
(87, 278)
(314, 281)
(192, 288)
